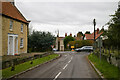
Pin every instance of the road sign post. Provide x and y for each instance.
(72, 48)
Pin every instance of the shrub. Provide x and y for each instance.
(81, 43)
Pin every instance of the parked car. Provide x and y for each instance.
(85, 48)
(54, 49)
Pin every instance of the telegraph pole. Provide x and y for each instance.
(94, 22)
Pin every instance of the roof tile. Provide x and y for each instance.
(10, 10)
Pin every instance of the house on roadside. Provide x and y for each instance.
(60, 43)
(13, 31)
(98, 37)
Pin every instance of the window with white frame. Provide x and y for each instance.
(21, 27)
(21, 42)
(11, 25)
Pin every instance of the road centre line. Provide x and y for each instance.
(69, 61)
(65, 66)
(57, 76)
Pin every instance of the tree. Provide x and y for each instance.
(87, 32)
(67, 40)
(114, 29)
(40, 41)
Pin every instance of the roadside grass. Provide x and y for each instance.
(109, 71)
(6, 73)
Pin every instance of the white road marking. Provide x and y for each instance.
(65, 66)
(69, 61)
(57, 76)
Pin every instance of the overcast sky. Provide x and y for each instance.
(67, 16)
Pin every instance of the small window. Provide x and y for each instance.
(11, 25)
(21, 27)
(21, 42)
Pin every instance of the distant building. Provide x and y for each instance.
(60, 43)
(91, 36)
(14, 30)
(98, 37)
(60, 40)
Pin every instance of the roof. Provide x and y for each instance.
(10, 10)
(91, 36)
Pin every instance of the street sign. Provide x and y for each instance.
(72, 47)
(52, 46)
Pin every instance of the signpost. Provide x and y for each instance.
(52, 46)
(72, 48)
(100, 45)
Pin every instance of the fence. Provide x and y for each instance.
(112, 56)
(16, 61)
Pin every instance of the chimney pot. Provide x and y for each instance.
(65, 34)
(71, 34)
(97, 30)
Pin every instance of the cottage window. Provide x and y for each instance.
(11, 25)
(21, 42)
(21, 27)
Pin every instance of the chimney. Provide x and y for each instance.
(71, 34)
(65, 34)
(97, 30)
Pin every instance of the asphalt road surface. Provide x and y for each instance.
(69, 65)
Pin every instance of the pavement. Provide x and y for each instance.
(69, 65)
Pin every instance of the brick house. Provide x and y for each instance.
(91, 36)
(14, 30)
(98, 37)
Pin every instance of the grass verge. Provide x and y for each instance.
(109, 71)
(6, 73)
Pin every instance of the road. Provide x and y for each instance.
(70, 65)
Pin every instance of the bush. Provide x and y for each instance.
(81, 43)
(67, 40)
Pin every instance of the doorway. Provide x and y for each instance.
(12, 44)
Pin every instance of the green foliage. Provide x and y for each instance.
(87, 32)
(40, 41)
(81, 43)
(67, 40)
(80, 33)
(109, 71)
(114, 29)
(6, 73)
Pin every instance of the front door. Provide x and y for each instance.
(10, 45)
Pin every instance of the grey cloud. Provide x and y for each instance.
(77, 14)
